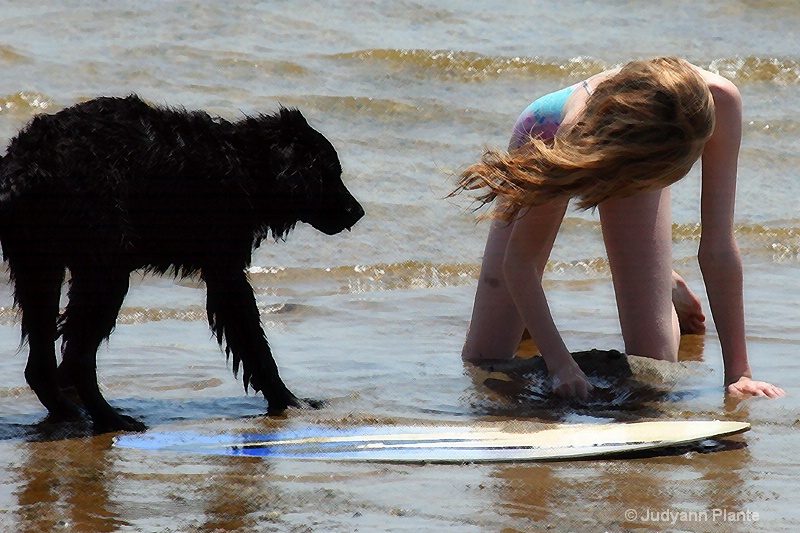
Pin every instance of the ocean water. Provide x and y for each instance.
(373, 320)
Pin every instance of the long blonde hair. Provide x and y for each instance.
(642, 129)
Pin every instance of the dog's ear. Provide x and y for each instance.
(290, 127)
(292, 124)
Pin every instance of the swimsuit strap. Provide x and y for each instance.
(588, 87)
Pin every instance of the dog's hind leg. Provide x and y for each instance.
(37, 291)
(233, 316)
(95, 297)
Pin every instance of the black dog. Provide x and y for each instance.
(113, 185)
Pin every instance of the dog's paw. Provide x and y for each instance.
(277, 408)
(117, 422)
(65, 411)
(308, 403)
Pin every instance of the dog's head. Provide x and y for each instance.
(307, 165)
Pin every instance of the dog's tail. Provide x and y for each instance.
(6, 197)
(10, 190)
(2, 211)
(3, 193)
(7, 192)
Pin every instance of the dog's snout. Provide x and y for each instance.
(356, 211)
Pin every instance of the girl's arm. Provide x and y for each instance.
(719, 258)
(526, 255)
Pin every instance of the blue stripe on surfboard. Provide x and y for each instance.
(288, 438)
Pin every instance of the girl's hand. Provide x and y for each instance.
(571, 382)
(746, 386)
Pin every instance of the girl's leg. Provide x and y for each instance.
(638, 236)
(496, 327)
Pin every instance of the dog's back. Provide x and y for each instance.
(122, 176)
(113, 139)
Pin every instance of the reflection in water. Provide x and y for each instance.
(85, 485)
(691, 347)
(617, 495)
(64, 486)
(237, 498)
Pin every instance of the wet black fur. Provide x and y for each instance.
(113, 185)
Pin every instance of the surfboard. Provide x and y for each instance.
(500, 442)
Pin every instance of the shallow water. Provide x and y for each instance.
(373, 320)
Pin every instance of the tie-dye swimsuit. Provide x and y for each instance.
(543, 117)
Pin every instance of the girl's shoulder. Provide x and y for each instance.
(722, 89)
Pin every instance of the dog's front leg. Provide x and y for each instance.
(234, 318)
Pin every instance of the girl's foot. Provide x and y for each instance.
(687, 305)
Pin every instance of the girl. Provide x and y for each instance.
(616, 142)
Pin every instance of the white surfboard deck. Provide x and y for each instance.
(443, 444)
